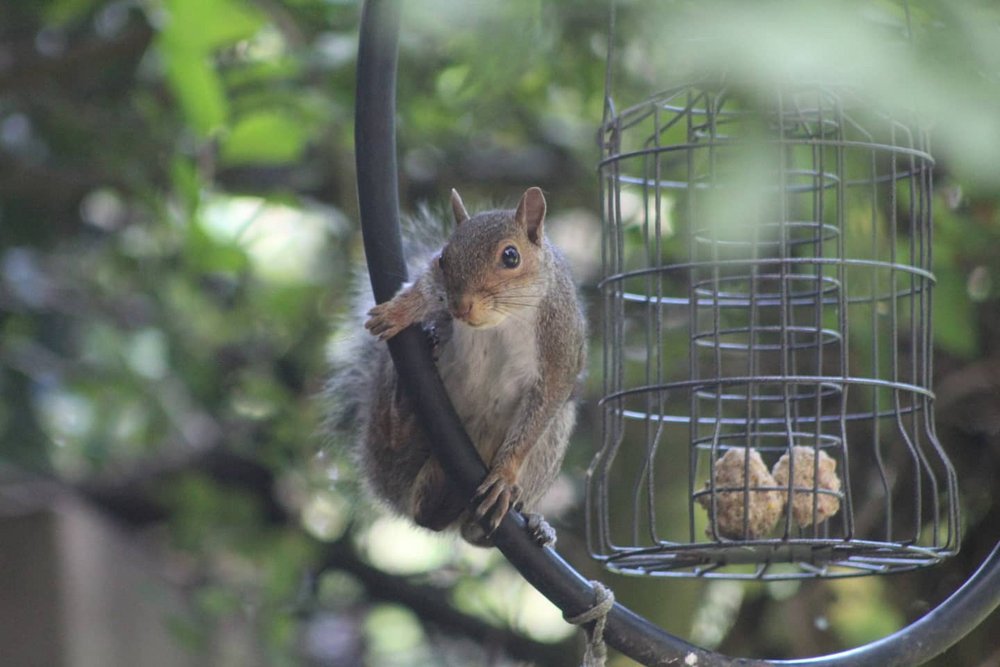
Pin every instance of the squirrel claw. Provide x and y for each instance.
(494, 497)
(380, 323)
(539, 530)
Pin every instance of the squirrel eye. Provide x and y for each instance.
(441, 262)
(510, 257)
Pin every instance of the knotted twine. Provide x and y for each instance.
(596, 652)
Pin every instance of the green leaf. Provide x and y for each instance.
(265, 137)
(198, 89)
(194, 30)
(206, 25)
(187, 185)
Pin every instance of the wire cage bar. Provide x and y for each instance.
(767, 405)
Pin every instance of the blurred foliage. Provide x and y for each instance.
(177, 228)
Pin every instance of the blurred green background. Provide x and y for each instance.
(177, 231)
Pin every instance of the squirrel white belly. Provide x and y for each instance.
(510, 349)
(487, 371)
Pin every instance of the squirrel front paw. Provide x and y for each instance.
(494, 498)
(386, 320)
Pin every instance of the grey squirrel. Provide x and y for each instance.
(499, 303)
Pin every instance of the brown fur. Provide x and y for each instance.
(510, 364)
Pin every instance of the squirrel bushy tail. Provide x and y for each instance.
(353, 352)
(363, 381)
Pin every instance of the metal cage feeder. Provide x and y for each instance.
(782, 241)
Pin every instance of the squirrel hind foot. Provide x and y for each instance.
(494, 498)
(474, 534)
(539, 530)
(436, 503)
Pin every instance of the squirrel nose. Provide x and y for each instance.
(462, 308)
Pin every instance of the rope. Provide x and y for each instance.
(597, 652)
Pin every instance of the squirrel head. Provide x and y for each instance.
(494, 265)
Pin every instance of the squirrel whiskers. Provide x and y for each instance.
(500, 306)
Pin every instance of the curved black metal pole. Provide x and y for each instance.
(378, 198)
(931, 634)
(375, 147)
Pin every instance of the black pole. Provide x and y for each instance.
(934, 632)
(378, 198)
(375, 147)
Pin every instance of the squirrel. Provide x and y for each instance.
(508, 335)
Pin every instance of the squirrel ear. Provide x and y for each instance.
(458, 208)
(531, 213)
